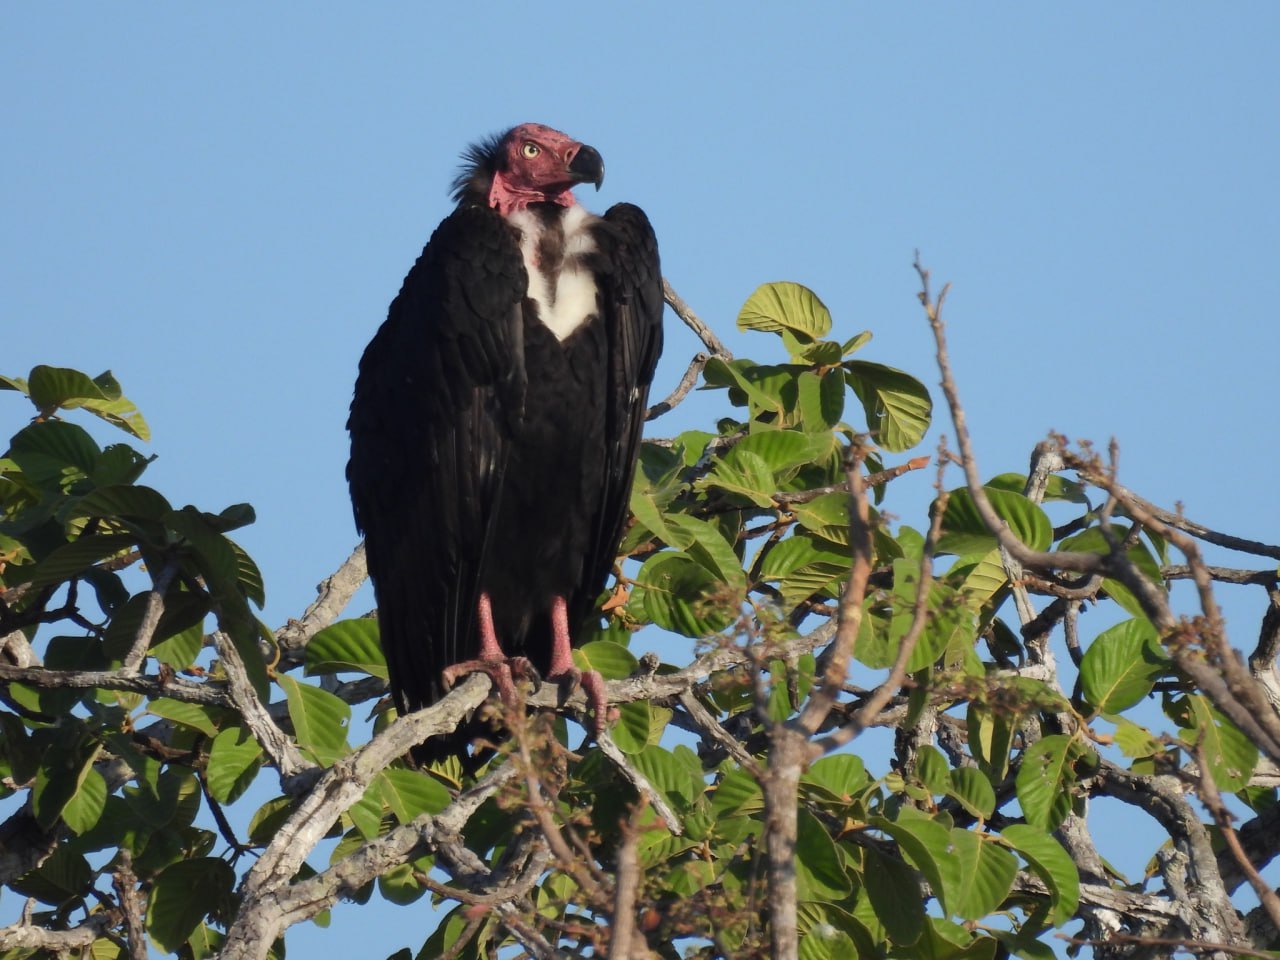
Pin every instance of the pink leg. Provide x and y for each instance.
(562, 666)
(491, 661)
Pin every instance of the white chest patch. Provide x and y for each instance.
(565, 292)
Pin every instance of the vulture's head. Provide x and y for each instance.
(528, 164)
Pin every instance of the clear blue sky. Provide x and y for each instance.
(218, 202)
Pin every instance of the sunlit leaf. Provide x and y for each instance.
(1230, 755)
(1051, 863)
(680, 594)
(348, 645)
(963, 531)
(410, 793)
(234, 760)
(897, 405)
(775, 307)
(319, 718)
(820, 873)
(971, 788)
(984, 874)
(1122, 665)
(1046, 779)
(85, 807)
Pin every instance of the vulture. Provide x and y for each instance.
(496, 421)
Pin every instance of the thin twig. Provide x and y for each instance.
(150, 618)
(683, 388)
(694, 322)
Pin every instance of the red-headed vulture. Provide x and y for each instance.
(496, 422)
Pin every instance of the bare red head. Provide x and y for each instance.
(536, 164)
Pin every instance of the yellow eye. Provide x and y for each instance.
(531, 150)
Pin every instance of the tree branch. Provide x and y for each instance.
(694, 322)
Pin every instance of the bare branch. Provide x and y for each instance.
(150, 619)
(1212, 800)
(641, 783)
(855, 591)
(683, 388)
(131, 903)
(870, 480)
(24, 935)
(694, 322)
(333, 594)
(284, 754)
(154, 687)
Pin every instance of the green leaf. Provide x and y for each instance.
(1046, 780)
(194, 715)
(983, 577)
(897, 405)
(53, 454)
(984, 873)
(269, 818)
(674, 779)
(924, 843)
(123, 500)
(963, 531)
(781, 450)
(826, 516)
(85, 807)
(932, 769)
(1230, 755)
(820, 874)
(64, 767)
(399, 886)
(785, 306)
(1122, 665)
(234, 761)
(348, 645)
(64, 875)
(1134, 740)
(182, 895)
(737, 792)
(821, 399)
(895, 897)
(746, 474)
(319, 719)
(1052, 864)
(51, 388)
(248, 576)
(679, 594)
(950, 623)
(741, 377)
(181, 649)
(631, 732)
(705, 543)
(74, 558)
(971, 788)
(803, 566)
(843, 774)
(410, 793)
(991, 734)
(612, 660)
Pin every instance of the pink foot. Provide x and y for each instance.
(562, 667)
(500, 668)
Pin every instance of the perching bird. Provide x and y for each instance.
(496, 422)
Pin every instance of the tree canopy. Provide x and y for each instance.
(731, 810)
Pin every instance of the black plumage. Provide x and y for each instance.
(492, 455)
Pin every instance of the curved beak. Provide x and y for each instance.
(587, 166)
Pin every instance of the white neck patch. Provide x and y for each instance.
(565, 299)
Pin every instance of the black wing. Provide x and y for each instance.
(630, 277)
(439, 389)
